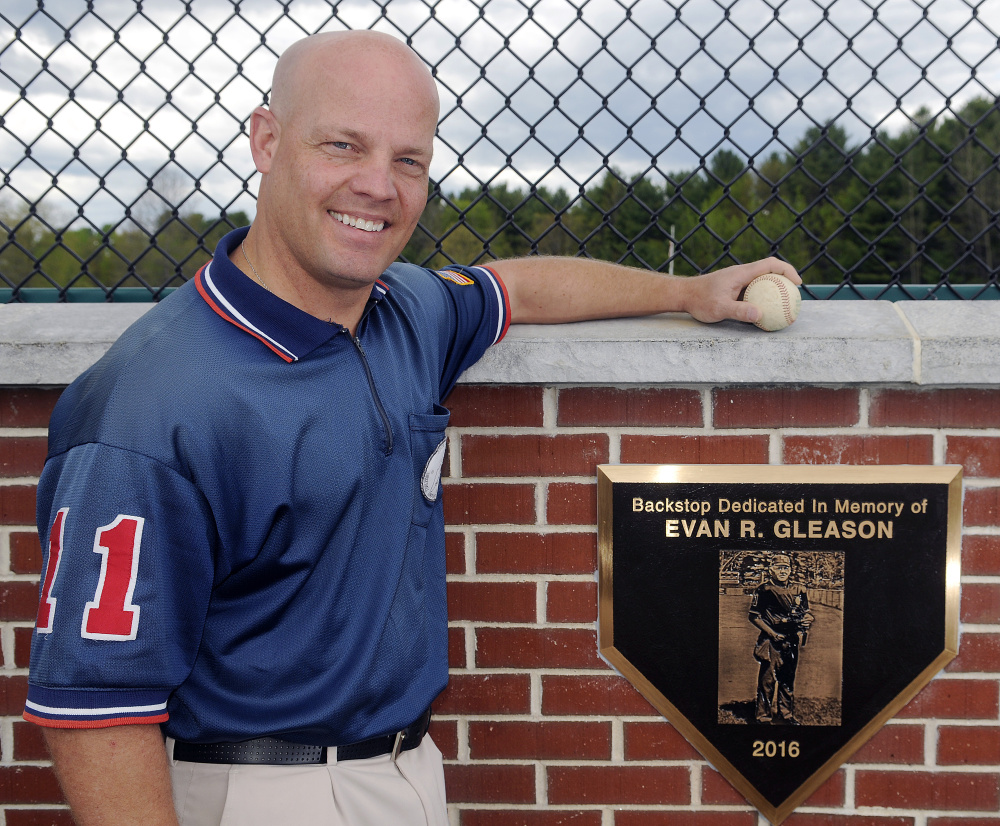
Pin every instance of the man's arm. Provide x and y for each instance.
(761, 623)
(554, 290)
(114, 776)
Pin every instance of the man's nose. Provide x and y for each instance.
(373, 178)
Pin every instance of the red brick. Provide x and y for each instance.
(981, 555)
(612, 695)
(534, 553)
(980, 603)
(935, 408)
(657, 741)
(533, 455)
(571, 504)
(977, 654)
(955, 699)
(845, 820)
(22, 646)
(18, 600)
(25, 553)
(484, 405)
(490, 784)
(893, 744)
(982, 506)
(717, 791)
(28, 742)
(632, 817)
(526, 817)
(712, 450)
(645, 407)
(609, 785)
(27, 406)
(456, 647)
(39, 817)
(492, 601)
(571, 601)
(831, 793)
(13, 693)
(963, 821)
(489, 504)
(540, 741)
(29, 784)
(454, 552)
(536, 648)
(978, 455)
(858, 450)
(22, 455)
(927, 790)
(968, 745)
(485, 694)
(785, 407)
(17, 504)
(444, 733)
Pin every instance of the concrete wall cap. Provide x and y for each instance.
(833, 342)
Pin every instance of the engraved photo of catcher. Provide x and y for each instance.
(780, 609)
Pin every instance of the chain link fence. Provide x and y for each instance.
(858, 139)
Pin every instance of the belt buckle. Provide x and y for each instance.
(397, 745)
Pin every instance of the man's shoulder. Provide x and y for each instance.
(155, 371)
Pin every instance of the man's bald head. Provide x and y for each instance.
(317, 58)
(344, 152)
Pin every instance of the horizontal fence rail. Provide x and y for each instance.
(857, 139)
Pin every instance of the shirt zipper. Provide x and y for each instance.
(386, 426)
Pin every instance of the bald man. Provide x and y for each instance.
(242, 614)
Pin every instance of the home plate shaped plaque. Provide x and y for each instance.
(778, 616)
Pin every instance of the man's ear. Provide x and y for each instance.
(264, 133)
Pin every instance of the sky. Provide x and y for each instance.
(534, 92)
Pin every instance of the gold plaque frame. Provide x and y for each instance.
(666, 552)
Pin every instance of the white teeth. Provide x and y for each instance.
(358, 223)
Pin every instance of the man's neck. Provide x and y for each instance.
(326, 302)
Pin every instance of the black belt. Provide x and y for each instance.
(273, 751)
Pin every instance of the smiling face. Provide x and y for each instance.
(345, 153)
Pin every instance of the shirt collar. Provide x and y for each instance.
(283, 328)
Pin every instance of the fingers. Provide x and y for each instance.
(745, 311)
(775, 265)
(715, 295)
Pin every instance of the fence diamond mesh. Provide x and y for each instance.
(857, 139)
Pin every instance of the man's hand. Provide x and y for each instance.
(715, 296)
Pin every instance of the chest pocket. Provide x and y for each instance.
(427, 447)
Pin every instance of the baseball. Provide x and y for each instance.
(776, 297)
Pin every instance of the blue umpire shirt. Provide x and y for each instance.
(241, 513)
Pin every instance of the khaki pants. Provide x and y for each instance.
(372, 792)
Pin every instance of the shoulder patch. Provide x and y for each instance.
(455, 277)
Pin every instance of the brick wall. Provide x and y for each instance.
(535, 728)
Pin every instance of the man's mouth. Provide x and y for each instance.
(358, 223)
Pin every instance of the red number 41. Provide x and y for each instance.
(111, 615)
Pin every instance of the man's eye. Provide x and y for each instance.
(340, 144)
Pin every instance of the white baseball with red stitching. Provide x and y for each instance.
(776, 297)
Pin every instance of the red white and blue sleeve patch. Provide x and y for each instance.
(95, 708)
(493, 285)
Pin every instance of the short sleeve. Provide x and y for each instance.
(127, 574)
(482, 312)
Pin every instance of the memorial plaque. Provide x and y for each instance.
(778, 616)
